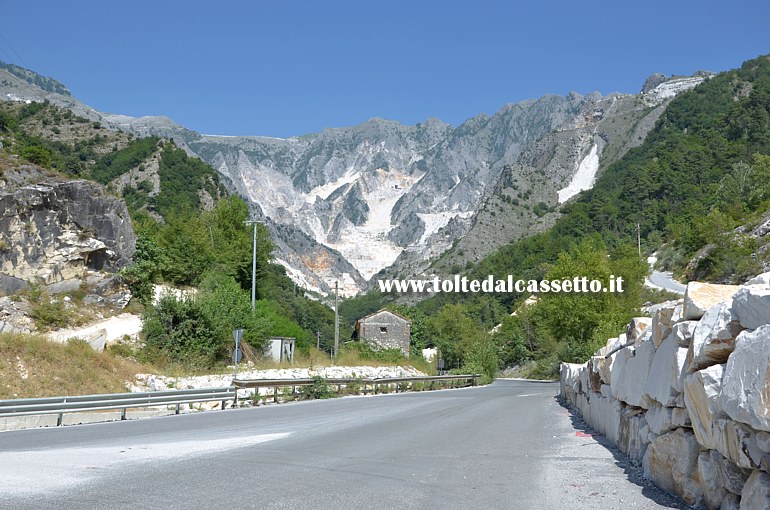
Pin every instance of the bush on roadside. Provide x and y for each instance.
(320, 389)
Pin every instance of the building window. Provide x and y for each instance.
(383, 329)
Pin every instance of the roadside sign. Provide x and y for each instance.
(237, 352)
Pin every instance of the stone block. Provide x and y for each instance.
(701, 398)
(684, 332)
(569, 381)
(731, 502)
(594, 377)
(756, 492)
(699, 297)
(762, 280)
(630, 440)
(671, 462)
(714, 337)
(629, 374)
(708, 472)
(663, 321)
(752, 307)
(745, 393)
(637, 327)
(721, 473)
(667, 372)
(733, 440)
(659, 419)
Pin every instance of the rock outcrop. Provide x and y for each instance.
(690, 399)
(54, 232)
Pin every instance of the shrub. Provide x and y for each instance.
(319, 389)
(181, 331)
(481, 358)
(37, 155)
(49, 313)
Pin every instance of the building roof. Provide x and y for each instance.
(384, 310)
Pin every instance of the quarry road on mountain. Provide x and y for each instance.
(506, 445)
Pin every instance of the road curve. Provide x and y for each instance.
(509, 445)
(665, 280)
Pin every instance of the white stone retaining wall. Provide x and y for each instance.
(690, 399)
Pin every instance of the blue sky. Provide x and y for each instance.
(284, 68)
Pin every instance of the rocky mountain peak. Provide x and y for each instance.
(653, 81)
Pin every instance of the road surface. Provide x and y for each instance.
(509, 445)
(666, 281)
(662, 280)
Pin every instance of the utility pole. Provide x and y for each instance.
(318, 339)
(639, 239)
(253, 265)
(336, 319)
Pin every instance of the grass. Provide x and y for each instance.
(31, 366)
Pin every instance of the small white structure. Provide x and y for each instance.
(280, 348)
(430, 353)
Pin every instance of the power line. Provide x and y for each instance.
(7, 56)
(14, 51)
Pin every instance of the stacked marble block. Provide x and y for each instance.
(689, 398)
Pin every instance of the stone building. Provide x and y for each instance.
(386, 330)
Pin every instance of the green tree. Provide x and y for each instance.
(186, 240)
(149, 261)
(583, 321)
(454, 332)
(228, 307)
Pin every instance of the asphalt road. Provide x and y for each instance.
(666, 281)
(509, 445)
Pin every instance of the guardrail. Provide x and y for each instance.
(124, 401)
(121, 401)
(357, 385)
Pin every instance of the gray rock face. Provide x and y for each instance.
(665, 382)
(53, 232)
(653, 81)
(381, 184)
(526, 196)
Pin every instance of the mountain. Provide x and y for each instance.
(371, 191)
(385, 198)
(529, 193)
